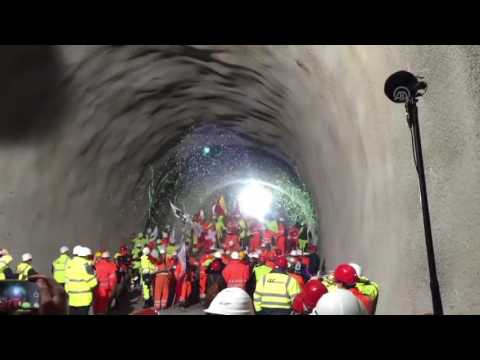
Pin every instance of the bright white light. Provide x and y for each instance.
(255, 200)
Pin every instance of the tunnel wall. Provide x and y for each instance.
(321, 107)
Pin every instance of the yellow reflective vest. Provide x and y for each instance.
(367, 287)
(22, 270)
(275, 291)
(260, 271)
(4, 263)
(59, 267)
(146, 266)
(80, 280)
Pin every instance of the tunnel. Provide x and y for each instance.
(81, 124)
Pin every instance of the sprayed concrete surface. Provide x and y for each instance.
(79, 124)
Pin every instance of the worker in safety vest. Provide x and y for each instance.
(237, 272)
(5, 261)
(346, 278)
(59, 266)
(275, 292)
(80, 281)
(147, 270)
(303, 238)
(25, 268)
(136, 255)
(106, 272)
(366, 286)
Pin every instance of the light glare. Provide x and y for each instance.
(255, 200)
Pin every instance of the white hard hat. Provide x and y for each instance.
(339, 302)
(26, 257)
(146, 251)
(76, 249)
(105, 255)
(154, 253)
(84, 251)
(162, 251)
(64, 249)
(358, 268)
(235, 255)
(164, 234)
(231, 301)
(293, 253)
(3, 252)
(217, 255)
(254, 255)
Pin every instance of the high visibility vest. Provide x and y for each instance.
(275, 291)
(59, 267)
(146, 266)
(367, 287)
(171, 249)
(4, 263)
(261, 271)
(80, 280)
(22, 270)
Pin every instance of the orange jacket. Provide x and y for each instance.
(236, 274)
(106, 274)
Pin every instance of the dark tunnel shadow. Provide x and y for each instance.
(30, 96)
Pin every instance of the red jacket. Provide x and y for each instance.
(236, 274)
(106, 274)
(255, 241)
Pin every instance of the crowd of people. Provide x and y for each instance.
(229, 263)
(240, 265)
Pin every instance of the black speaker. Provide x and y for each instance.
(402, 86)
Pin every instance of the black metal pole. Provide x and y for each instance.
(434, 286)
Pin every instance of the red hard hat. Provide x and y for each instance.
(313, 290)
(346, 274)
(281, 262)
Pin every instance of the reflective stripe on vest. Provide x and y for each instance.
(22, 270)
(273, 292)
(59, 268)
(79, 283)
